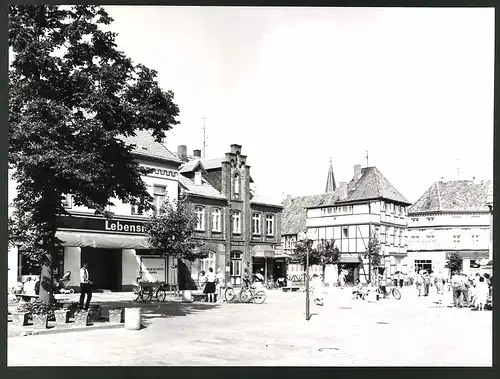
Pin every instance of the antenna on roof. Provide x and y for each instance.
(366, 156)
(204, 138)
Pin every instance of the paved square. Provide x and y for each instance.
(411, 332)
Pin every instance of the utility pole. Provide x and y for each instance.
(204, 139)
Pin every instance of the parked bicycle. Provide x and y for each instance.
(246, 295)
(394, 292)
(271, 285)
(146, 291)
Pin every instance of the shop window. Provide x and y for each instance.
(423, 265)
(160, 196)
(474, 263)
(270, 225)
(200, 214)
(256, 223)
(237, 222)
(30, 266)
(216, 220)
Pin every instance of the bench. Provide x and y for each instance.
(290, 289)
(26, 297)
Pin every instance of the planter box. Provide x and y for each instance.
(20, 318)
(62, 316)
(82, 318)
(95, 312)
(116, 316)
(40, 321)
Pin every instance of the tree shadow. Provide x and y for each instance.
(152, 310)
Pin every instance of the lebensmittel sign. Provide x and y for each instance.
(154, 269)
(100, 224)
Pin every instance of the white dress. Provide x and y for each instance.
(482, 292)
(317, 285)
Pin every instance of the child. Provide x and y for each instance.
(317, 285)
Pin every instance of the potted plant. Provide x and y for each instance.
(40, 313)
(95, 312)
(115, 315)
(21, 314)
(62, 316)
(81, 317)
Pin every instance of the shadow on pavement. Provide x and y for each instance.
(151, 310)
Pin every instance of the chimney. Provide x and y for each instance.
(357, 172)
(197, 153)
(287, 200)
(342, 190)
(182, 152)
(235, 149)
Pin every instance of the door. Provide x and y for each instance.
(105, 267)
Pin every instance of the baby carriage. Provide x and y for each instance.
(62, 284)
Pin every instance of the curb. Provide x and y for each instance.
(22, 333)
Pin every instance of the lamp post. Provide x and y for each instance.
(304, 238)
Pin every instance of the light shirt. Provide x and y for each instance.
(210, 277)
(84, 275)
(220, 277)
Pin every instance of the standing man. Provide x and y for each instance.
(85, 286)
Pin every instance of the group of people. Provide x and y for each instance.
(470, 291)
(213, 284)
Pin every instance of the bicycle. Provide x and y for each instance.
(271, 285)
(394, 292)
(145, 291)
(246, 295)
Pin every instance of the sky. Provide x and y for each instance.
(297, 87)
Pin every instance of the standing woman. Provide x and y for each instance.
(219, 280)
(342, 279)
(210, 286)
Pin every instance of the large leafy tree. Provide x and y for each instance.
(171, 231)
(73, 96)
(455, 262)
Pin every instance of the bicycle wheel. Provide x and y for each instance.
(396, 294)
(71, 291)
(229, 294)
(259, 297)
(146, 294)
(161, 294)
(136, 294)
(245, 296)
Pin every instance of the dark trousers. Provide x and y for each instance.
(395, 282)
(426, 289)
(85, 290)
(401, 281)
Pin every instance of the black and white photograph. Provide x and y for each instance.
(250, 186)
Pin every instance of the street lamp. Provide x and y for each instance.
(303, 237)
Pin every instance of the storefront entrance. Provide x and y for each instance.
(352, 270)
(105, 267)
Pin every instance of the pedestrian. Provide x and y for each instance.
(85, 286)
(439, 283)
(317, 286)
(482, 292)
(401, 279)
(427, 283)
(466, 289)
(219, 280)
(357, 292)
(210, 286)
(342, 279)
(419, 280)
(394, 278)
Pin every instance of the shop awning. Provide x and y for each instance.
(344, 258)
(105, 241)
(478, 255)
(263, 251)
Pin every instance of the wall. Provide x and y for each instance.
(130, 268)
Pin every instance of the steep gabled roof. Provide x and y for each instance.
(146, 146)
(373, 185)
(294, 215)
(456, 195)
(205, 189)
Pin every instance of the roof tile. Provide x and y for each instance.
(146, 146)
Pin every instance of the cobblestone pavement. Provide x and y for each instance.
(411, 332)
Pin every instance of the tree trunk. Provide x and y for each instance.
(46, 279)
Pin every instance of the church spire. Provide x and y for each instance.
(330, 181)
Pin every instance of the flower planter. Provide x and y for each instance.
(20, 318)
(81, 318)
(95, 312)
(40, 321)
(115, 315)
(62, 316)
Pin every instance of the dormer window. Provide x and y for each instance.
(197, 178)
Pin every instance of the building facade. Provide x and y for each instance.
(116, 249)
(451, 216)
(236, 229)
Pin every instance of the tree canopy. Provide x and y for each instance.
(73, 97)
(325, 252)
(455, 262)
(171, 230)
